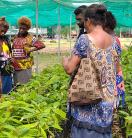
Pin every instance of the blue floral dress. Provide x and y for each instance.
(97, 117)
(119, 76)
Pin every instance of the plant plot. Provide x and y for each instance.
(37, 108)
(127, 74)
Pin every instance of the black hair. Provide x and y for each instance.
(100, 16)
(110, 21)
(80, 10)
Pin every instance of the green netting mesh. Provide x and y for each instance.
(48, 10)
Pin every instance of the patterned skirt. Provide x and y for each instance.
(78, 132)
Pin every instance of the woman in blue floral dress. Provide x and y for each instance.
(95, 120)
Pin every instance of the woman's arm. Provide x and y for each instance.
(37, 45)
(71, 63)
(79, 52)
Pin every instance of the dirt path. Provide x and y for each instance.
(52, 47)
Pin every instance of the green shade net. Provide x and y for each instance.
(48, 10)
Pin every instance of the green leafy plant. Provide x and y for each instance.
(37, 108)
(127, 74)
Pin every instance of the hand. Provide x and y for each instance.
(39, 44)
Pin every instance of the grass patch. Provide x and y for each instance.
(46, 59)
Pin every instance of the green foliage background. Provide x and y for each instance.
(127, 74)
(37, 108)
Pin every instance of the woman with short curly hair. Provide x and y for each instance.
(23, 45)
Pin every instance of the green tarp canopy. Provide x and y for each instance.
(48, 10)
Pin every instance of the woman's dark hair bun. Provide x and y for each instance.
(100, 16)
(101, 10)
(110, 21)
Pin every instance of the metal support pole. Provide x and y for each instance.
(59, 29)
(129, 32)
(120, 33)
(37, 53)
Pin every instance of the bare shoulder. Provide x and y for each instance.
(101, 40)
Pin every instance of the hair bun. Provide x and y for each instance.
(101, 10)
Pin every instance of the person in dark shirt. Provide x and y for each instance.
(79, 13)
(5, 58)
